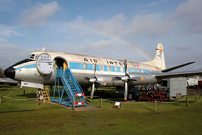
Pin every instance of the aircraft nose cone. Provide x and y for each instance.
(10, 72)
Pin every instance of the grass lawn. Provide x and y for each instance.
(22, 115)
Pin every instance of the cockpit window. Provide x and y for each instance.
(36, 56)
(31, 56)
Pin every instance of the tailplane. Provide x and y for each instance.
(159, 59)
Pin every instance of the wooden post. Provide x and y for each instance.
(24, 92)
(11, 94)
(187, 101)
(0, 98)
(195, 97)
(194, 93)
(100, 103)
(38, 103)
(73, 106)
(32, 90)
(155, 105)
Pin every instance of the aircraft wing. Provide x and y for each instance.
(176, 67)
(8, 81)
(177, 74)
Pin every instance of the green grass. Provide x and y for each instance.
(26, 117)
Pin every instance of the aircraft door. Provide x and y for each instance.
(59, 62)
(44, 64)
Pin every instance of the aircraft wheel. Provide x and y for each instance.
(130, 96)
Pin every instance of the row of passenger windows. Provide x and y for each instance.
(117, 69)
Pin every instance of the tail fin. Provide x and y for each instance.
(159, 59)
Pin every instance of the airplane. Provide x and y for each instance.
(41, 67)
(8, 81)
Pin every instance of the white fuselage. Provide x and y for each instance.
(81, 66)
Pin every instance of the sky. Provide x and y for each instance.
(105, 28)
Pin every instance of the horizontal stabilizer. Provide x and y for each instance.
(177, 74)
(176, 67)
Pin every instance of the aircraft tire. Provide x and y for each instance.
(130, 96)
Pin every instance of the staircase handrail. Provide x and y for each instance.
(74, 80)
(64, 79)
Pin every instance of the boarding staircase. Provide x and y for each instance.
(67, 89)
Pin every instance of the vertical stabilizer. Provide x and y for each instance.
(159, 59)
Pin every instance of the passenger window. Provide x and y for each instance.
(101, 67)
(109, 68)
(85, 66)
(116, 69)
(121, 69)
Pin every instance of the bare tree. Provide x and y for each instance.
(2, 73)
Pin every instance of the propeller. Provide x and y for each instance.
(93, 81)
(125, 79)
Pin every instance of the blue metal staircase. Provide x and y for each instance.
(69, 90)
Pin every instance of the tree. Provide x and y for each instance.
(2, 73)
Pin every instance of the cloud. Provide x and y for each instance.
(10, 54)
(38, 15)
(149, 26)
(111, 26)
(7, 31)
(188, 17)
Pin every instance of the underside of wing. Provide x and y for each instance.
(177, 74)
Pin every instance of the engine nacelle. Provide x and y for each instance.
(143, 78)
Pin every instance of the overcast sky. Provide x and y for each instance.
(104, 28)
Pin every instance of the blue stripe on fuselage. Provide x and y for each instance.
(27, 66)
(80, 66)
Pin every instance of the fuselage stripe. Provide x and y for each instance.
(80, 66)
(27, 66)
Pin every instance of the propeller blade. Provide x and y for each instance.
(125, 64)
(92, 90)
(126, 90)
(86, 78)
(117, 78)
(122, 78)
(131, 79)
(135, 78)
